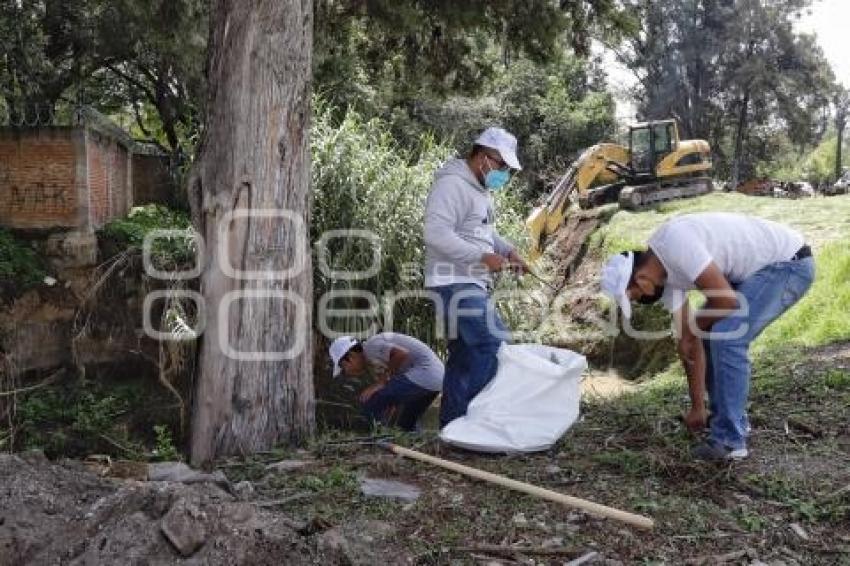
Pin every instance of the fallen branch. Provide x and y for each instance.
(527, 488)
(503, 550)
(721, 558)
(804, 427)
(583, 560)
(284, 500)
(47, 381)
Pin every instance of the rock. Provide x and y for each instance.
(180, 472)
(49, 281)
(799, 531)
(243, 490)
(373, 487)
(334, 542)
(184, 527)
(129, 470)
(289, 465)
(239, 513)
(552, 469)
(519, 520)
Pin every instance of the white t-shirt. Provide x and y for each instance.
(423, 367)
(740, 245)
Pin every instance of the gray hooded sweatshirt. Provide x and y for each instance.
(459, 228)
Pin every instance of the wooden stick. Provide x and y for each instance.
(589, 506)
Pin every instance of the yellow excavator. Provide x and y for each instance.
(655, 167)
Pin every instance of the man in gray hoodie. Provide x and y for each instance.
(462, 251)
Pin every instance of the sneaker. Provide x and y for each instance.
(715, 452)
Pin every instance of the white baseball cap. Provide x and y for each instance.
(502, 141)
(615, 280)
(338, 349)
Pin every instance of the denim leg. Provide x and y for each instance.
(414, 408)
(710, 381)
(399, 390)
(768, 293)
(475, 332)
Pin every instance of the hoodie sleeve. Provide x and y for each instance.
(501, 246)
(444, 211)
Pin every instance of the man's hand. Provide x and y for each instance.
(696, 419)
(494, 262)
(367, 393)
(517, 263)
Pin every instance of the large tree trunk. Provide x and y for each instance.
(840, 124)
(255, 157)
(739, 140)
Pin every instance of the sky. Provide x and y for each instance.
(829, 20)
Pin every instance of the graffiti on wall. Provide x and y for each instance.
(32, 196)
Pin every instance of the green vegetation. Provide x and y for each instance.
(78, 420)
(816, 165)
(821, 317)
(167, 252)
(164, 449)
(20, 265)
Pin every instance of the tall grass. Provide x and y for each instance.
(364, 180)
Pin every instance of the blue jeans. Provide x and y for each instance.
(769, 292)
(474, 331)
(399, 390)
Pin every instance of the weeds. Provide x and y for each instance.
(164, 449)
(20, 266)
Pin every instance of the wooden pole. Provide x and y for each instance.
(594, 508)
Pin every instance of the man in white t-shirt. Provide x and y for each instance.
(751, 271)
(409, 375)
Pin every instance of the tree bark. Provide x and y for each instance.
(840, 124)
(739, 139)
(255, 157)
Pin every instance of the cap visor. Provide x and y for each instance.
(510, 158)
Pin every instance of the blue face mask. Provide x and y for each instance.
(496, 179)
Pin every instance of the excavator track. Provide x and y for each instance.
(635, 197)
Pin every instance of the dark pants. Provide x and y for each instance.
(475, 332)
(413, 400)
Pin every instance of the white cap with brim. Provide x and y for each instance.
(502, 141)
(615, 281)
(338, 349)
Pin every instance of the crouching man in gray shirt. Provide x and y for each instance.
(409, 375)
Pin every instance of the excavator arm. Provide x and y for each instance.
(600, 164)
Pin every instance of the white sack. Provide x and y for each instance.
(530, 403)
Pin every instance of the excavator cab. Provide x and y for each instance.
(655, 167)
(649, 144)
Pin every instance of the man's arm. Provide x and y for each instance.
(398, 359)
(692, 354)
(721, 298)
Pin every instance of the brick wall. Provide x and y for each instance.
(152, 182)
(67, 178)
(39, 178)
(108, 179)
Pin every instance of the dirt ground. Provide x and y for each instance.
(789, 503)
